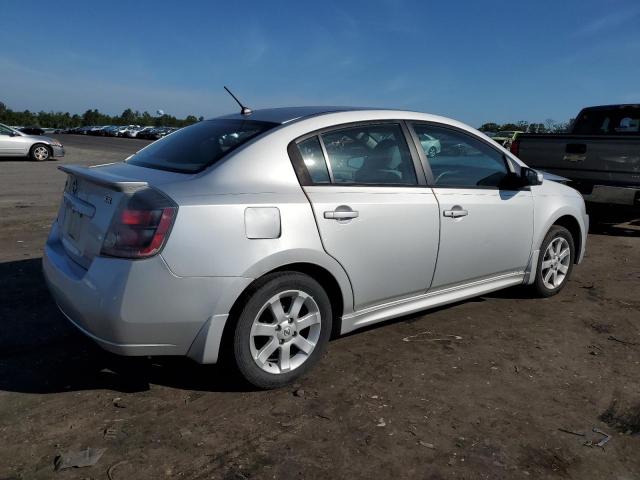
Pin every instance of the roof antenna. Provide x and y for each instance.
(243, 110)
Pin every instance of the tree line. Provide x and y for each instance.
(90, 117)
(548, 126)
(130, 117)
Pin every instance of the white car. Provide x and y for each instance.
(14, 143)
(430, 145)
(259, 235)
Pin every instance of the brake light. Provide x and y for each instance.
(515, 147)
(141, 227)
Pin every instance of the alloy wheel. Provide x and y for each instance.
(285, 331)
(41, 153)
(555, 263)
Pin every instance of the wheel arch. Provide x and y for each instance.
(319, 273)
(213, 341)
(46, 145)
(571, 223)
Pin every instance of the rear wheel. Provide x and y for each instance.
(555, 261)
(39, 152)
(282, 330)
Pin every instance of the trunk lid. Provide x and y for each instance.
(92, 196)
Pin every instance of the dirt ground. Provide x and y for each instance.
(477, 390)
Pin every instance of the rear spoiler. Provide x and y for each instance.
(103, 179)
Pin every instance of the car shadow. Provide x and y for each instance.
(40, 352)
(24, 159)
(614, 221)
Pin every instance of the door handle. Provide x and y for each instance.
(341, 213)
(455, 212)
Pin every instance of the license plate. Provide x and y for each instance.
(73, 224)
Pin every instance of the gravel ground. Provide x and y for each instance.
(479, 389)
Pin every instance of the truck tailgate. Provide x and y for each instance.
(591, 159)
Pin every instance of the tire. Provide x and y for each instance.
(39, 152)
(552, 277)
(432, 152)
(261, 359)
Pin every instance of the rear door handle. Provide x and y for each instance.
(455, 212)
(342, 212)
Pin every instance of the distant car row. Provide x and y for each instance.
(128, 131)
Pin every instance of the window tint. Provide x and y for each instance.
(194, 148)
(5, 130)
(370, 154)
(313, 159)
(615, 121)
(459, 160)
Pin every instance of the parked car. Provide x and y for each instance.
(97, 130)
(430, 145)
(135, 133)
(14, 143)
(32, 130)
(109, 131)
(156, 133)
(122, 131)
(146, 133)
(506, 137)
(259, 235)
(600, 154)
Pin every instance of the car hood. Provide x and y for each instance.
(39, 138)
(553, 177)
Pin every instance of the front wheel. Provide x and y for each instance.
(39, 152)
(282, 330)
(555, 261)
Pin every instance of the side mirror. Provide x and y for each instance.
(531, 176)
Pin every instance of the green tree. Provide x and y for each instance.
(489, 127)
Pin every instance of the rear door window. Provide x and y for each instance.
(194, 148)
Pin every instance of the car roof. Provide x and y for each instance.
(288, 114)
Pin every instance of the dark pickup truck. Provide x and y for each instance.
(600, 155)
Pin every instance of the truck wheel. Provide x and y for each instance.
(39, 152)
(555, 261)
(283, 329)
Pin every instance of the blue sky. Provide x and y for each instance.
(475, 61)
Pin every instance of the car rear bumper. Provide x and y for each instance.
(140, 307)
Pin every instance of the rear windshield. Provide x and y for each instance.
(615, 121)
(192, 149)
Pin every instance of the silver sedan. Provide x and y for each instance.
(257, 236)
(14, 143)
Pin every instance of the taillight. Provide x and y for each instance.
(141, 226)
(515, 147)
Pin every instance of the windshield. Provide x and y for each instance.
(614, 121)
(5, 130)
(192, 149)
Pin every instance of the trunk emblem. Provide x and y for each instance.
(108, 199)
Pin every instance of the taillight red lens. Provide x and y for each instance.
(142, 226)
(515, 147)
